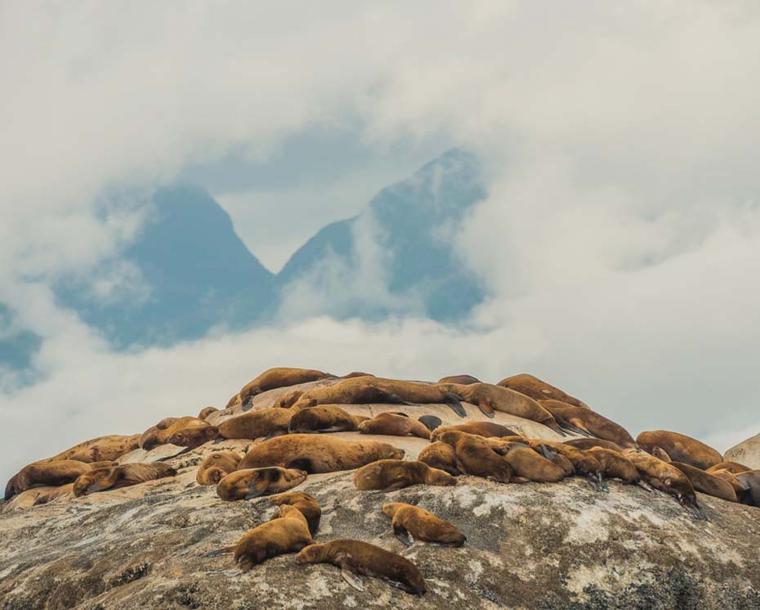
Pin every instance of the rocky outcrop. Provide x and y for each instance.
(747, 452)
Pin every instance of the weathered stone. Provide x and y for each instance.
(747, 453)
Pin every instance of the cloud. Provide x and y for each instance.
(620, 238)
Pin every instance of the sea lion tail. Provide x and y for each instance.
(453, 401)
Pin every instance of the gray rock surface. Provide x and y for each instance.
(747, 452)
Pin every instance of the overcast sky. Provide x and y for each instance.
(621, 237)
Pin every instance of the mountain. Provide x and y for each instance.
(396, 257)
(186, 272)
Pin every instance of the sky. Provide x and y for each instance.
(620, 238)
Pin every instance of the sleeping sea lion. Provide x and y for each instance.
(663, 477)
(680, 448)
(287, 533)
(531, 465)
(317, 453)
(614, 464)
(389, 475)
(307, 504)
(216, 466)
(185, 431)
(421, 525)
(123, 475)
(474, 456)
(355, 556)
(441, 456)
(279, 377)
(732, 467)
(707, 483)
(732, 479)
(582, 462)
(324, 418)
(459, 379)
(367, 390)
(48, 474)
(40, 495)
(101, 449)
(586, 421)
(248, 483)
(256, 424)
(393, 424)
(481, 428)
(538, 389)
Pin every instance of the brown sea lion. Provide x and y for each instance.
(660, 454)
(475, 456)
(582, 462)
(307, 504)
(481, 428)
(707, 483)
(279, 377)
(586, 421)
(614, 464)
(124, 475)
(538, 389)
(355, 556)
(421, 525)
(489, 398)
(441, 456)
(663, 477)
(459, 379)
(751, 482)
(248, 483)
(732, 467)
(101, 449)
(317, 453)
(680, 448)
(206, 411)
(730, 478)
(389, 475)
(531, 465)
(367, 390)
(324, 418)
(287, 533)
(393, 424)
(181, 431)
(256, 424)
(40, 495)
(588, 443)
(216, 466)
(48, 474)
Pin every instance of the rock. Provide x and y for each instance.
(747, 452)
(564, 545)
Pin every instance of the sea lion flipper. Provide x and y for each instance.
(486, 410)
(431, 422)
(645, 485)
(455, 403)
(595, 482)
(547, 452)
(352, 579)
(403, 535)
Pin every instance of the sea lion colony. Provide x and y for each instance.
(291, 440)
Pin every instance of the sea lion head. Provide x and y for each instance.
(193, 437)
(95, 480)
(306, 420)
(389, 452)
(206, 411)
(390, 508)
(439, 477)
(311, 554)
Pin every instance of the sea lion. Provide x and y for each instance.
(707, 483)
(185, 431)
(738, 487)
(101, 449)
(256, 424)
(586, 421)
(489, 398)
(732, 467)
(459, 379)
(393, 424)
(588, 443)
(367, 559)
(389, 475)
(216, 466)
(40, 495)
(481, 428)
(307, 504)
(279, 377)
(660, 454)
(441, 456)
(248, 483)
(206, 411)
(581, 462)
(317, 453)
(48, 474)
(367, 390)
(663, 476)
(421, 525)
(324, 418)
(287, 533)
(123, 475)
(474, 456)
(680, 448)
(538, 389)
(614, 464)
(751, 482)
(531, 465)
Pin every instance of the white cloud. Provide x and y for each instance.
(621, 140)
